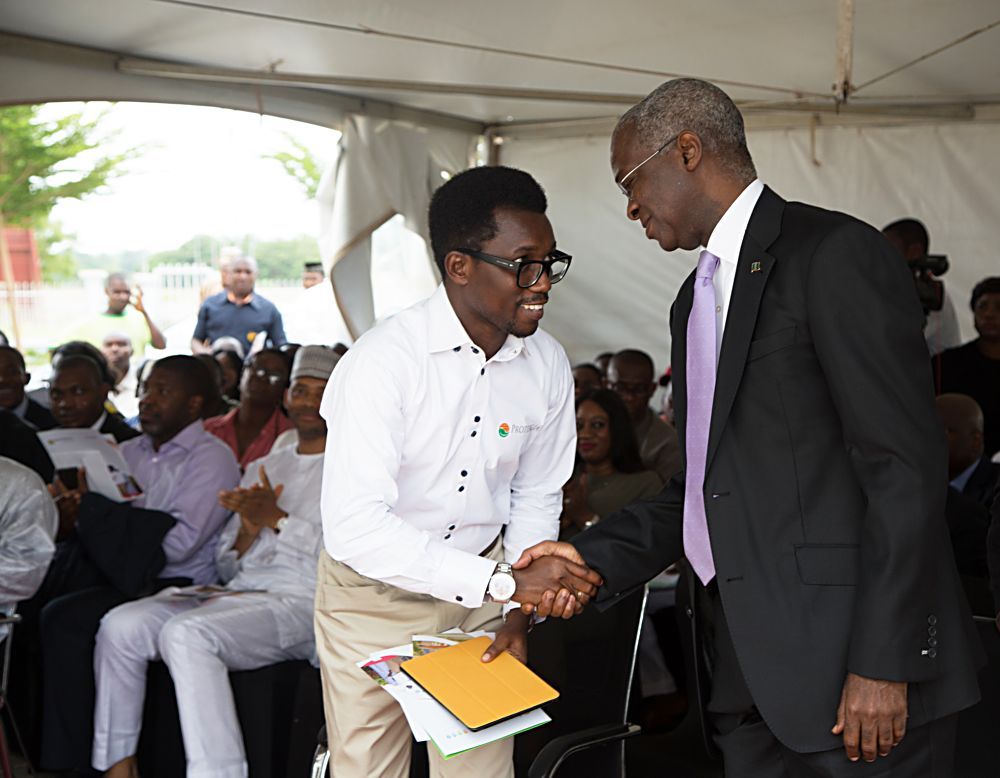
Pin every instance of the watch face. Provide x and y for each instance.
(502, 586)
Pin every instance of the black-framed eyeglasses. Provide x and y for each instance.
(627, 176)
(528, 271)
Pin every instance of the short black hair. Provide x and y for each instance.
(635, 355)
(590, 366)
(624, 448)
(194, 377)
(5, 349)
(989, 285)
(911, 231)
(85, 361)
(85, 349)
(462, 211)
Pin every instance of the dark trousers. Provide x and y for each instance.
(749, 748)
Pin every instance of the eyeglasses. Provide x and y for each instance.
(529, 271)
(627, 176)
(272, 378)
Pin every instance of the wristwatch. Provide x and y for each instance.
(502, 586)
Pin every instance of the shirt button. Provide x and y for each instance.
(465, 473)
(476, 419)
(452, 527)
(457, 348)
(461, 488)
(718, 309)
(459, 598)
(483, 371)
(473, 434)
(448, 536)
(475, 350)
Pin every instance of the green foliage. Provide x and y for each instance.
(301, 164)
(45, 161)
(276, 258)
(55, 252)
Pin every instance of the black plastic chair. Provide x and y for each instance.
(590, 659)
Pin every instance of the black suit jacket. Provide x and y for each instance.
(115, 425)
(825, 482)
(982, 484)
(38, 416)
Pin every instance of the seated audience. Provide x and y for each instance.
(612, 474)
(972, 483)
(993, 557)
(586, 377)
(602, 361)
(232, 373)
(974, 368)
(14, 376)
(117, 349)
(27, 533)
(631, 377)
(124, 550)
(271, 543)
(78, 391)
(251, 429)
(224, 405)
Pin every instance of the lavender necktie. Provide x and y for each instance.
(700, 392)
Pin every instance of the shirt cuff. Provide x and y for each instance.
(463, 578)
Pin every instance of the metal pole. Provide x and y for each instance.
(842, 88)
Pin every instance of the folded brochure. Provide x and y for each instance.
(428, 719)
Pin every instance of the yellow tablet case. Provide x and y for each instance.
(478, 693)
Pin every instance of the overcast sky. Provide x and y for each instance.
(201, 173)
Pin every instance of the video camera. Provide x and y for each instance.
(929, 288)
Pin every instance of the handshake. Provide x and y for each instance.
(553, 580)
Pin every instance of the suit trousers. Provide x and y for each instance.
(200, 643)
(366, 730)
(749, 748)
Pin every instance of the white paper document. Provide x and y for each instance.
(429, 719)
(107, 473)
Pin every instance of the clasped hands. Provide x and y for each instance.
(553, 580)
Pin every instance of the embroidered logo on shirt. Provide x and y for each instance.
(504, 430)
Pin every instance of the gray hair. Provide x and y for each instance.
(700, 107)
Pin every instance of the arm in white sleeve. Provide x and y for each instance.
(363, 407)
(27, 529)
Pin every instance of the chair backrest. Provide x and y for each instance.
(590, 659)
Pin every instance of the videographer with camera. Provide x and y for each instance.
(910, 238)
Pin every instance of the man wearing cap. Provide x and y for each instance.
(270, 547)
(312, 274)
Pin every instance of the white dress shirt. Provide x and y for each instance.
(433, 449)
(725, 242)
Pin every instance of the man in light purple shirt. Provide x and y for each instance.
(165, 537)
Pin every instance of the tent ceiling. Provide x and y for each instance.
(764, 51)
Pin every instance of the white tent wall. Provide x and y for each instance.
(621, 285)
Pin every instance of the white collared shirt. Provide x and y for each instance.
(725, 242)
(432, 449)
(100, 421)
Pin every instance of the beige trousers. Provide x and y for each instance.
(367, 732)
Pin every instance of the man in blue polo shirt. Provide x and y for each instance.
(238, 312)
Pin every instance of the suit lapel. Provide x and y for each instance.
(752, 271)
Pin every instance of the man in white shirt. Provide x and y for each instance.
(269, 546)
(452, 433)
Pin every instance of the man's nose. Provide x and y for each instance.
(632, 210)
(543, 284)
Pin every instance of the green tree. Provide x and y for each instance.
(285, 258)
(55, 252)
(44, 161)
(300, 163)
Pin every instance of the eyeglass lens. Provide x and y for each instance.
(528, 273)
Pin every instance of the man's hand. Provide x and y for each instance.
(136, 299)
(68, 502)
(871, 716)
(258, 504)
(552, 579)
(512, 637)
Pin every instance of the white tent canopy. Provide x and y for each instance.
(916, 136)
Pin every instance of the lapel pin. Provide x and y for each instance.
(755, 267)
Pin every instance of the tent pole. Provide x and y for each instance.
(845, 50)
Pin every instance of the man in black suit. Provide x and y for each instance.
(14, 376)
(812, 501)
(970, 470)
(79, 390)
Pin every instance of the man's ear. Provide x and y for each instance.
(195, 404)
(458, 267)
(689, 145)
